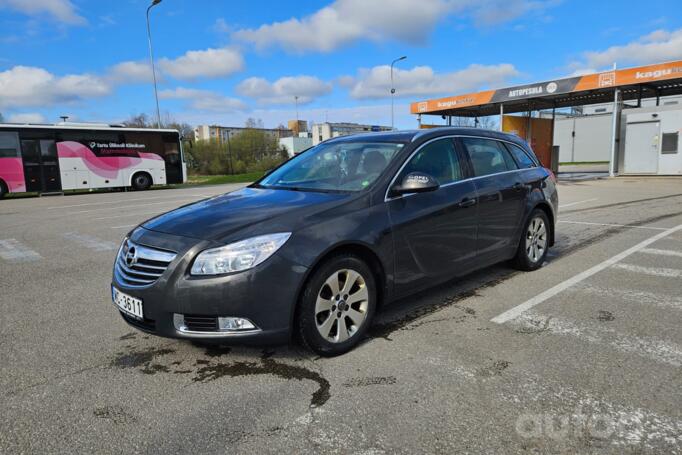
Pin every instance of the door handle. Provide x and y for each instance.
(467, 202)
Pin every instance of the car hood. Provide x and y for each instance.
(219, 217)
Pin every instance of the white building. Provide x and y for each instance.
(296, 145)
(323, 131)
(223, 133)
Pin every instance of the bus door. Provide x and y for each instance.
(41, 165)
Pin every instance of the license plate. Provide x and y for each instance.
(128, 304)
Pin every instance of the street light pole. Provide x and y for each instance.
(392, 87)
(151, 59)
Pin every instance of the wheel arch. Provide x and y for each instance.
(545, 207)
(365, 252)
(141, 171)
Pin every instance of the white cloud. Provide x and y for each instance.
(27, 117)
(283, 90)
(209, 63)
(61, 10)
(375, 83)
(204, 100)
(24, 86)
(658, 46)
(346, 21)
(130, 72)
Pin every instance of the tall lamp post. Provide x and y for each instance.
(392, 87)
(151, 59)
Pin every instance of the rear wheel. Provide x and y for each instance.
(337, 306)
(534, 242)
(3, 189)
(142, 181)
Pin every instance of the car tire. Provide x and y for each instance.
(337, 305)
(142, 181)
(534, 243)
(3, 189)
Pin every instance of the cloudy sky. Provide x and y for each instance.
(224, 61)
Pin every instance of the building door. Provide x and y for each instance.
(41, 165)
(641, 148)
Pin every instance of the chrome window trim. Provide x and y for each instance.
(449, 136)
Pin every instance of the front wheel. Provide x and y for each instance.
(534, 242)
(337, 305)
(3, 189)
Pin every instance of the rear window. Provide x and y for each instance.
(524, 160)
(488, 156)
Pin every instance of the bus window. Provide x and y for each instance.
(9, 145)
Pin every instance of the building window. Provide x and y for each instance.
(602, 109)
(670, 141)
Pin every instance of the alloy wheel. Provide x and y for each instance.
(536, 239)
(341, 306)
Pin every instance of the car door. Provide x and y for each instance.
(434, 232)
(501, 197)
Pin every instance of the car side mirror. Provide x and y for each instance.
(416, 182)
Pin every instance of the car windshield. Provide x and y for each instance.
(341, 166)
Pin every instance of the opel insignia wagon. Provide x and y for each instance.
(313, 249)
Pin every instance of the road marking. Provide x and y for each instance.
(661, 252)
(12, 250)
(122, 201)
(613, 225)
(634, 296)
(653, 271)
(90, 242)
(124, 226)
(130, 206)
(551, 292)
(649, 347)
(155, 212)
(577, 202)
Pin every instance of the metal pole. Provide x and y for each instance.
(392, 87)
(296, 101)
(614, 132)
(501, 116)
(151, 58)
(229, 152)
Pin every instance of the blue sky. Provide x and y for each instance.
(223, 61)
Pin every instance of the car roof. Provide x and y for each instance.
(407, 136)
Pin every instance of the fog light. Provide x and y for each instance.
(235, 324)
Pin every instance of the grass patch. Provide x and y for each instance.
(221, 179)
(579, 163)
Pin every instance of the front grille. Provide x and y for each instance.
(201, 323)
(140, 266)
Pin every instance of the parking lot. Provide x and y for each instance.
(582, 356)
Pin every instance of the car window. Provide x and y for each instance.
(438, 159)
(9, 145)
(521, 156)
(488, 156)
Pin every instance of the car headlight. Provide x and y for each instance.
(239, 256)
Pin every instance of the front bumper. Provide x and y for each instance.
(265, 295)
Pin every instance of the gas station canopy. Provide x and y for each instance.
(633, 83)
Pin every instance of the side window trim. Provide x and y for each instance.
(510, 146)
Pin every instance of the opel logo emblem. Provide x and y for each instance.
(131, 256)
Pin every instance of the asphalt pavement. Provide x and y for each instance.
(581, 356)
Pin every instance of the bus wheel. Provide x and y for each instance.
(3, 189)
(142, 181)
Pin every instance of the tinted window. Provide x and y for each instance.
(488, 156)
(521, 156)
(9, 145)
(438, 159)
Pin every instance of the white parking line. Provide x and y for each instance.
(653, 271)
(126, 215)
(662, 252)
(613, 225)
(123, 227)
(122, 201)
(90, 242)
(130, 206)
(634, 296)
(12, 250)
(649, 347)
(551, 292)
(577, 202)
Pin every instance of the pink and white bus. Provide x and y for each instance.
(54, 158)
